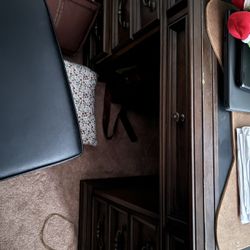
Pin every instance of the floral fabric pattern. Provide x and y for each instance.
(83, 82)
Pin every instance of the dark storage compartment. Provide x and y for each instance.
(132, 217)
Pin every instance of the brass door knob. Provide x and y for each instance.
(176, 116)
(182, 117)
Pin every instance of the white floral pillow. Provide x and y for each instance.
(82, 82)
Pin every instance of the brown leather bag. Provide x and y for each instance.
(73, 20)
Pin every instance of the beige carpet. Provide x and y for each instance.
(39, 210)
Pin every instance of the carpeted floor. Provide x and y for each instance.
(39, 210)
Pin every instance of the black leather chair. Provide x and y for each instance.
(38, 124)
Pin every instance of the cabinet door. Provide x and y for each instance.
(121, 20)
(177, 4)
(99, 225)
(178, 153)
(118, 229)
(177, 243)
(147, 14)
(100, 38)
(144, 234)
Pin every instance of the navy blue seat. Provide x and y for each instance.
(38, 124)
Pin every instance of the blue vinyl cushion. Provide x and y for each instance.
(38, 124)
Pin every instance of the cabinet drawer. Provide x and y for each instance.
(100, 225)
(144, 234)
(118, 229)
(147, 14)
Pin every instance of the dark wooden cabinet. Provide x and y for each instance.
(122, 22)
(146, 16)
(176, 5)
(99, 44)
(187, 112)
(188, 146)
(119, 214)
(118, 228)
(99, 221)
(120, 26)
(178, 168)
(144, 234)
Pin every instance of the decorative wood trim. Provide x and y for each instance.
(204, 134)
(163, 120)
(197, 215)
(85, 215)
(146, 222)
(106, 26)
(204, 151)
(125, 226)
(210, 153)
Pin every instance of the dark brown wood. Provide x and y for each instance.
(202, 102)
(118, 229)
(144, 234)
(117, 210)
(176, 5)
(178, 170)
(146, 16)
(188, 149)
(122, 23)
(120, 26)
(99, 225)
(197, 212)
(99, 45)
(204, 148)
(84, 219)
(164, 110)
(210, 154)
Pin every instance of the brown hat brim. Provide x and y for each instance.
(215, 12)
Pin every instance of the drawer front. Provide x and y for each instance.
(148, 13)
(100, 226)
(144, 234)
(118, 229)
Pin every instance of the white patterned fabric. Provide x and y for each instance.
(243, 165)
(83, 82)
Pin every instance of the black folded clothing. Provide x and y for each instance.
(38, 124)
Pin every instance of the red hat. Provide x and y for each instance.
(239, 25)
(238, 3)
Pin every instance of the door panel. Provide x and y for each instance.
(180, 134)
(121, 19)
(118, 229)
(100, 227)
(144, 235)
(178, 168)
(147, 14)
(100, 37)
(177, 243)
